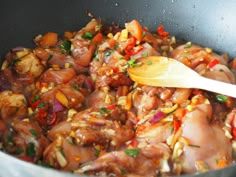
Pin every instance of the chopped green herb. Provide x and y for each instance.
(61, 150)
(208, 119)
(121, 58)
(149, 62)
(108, 53)
(144, 54)
(50, 57)
(143, 33)
(34, 132)
(74, 87)
(10, 140)
(41, 105)
(193, 145)
(30, 151)
(159, 174)
(47, 165)
(221, 98)
(117, 45)
(36, 98)
(132, 152)
(104, 110)
(17, 109)
(97, 152)
(98, 27)
(123, 172)
(221, 70)
(24, 102)
(188, 45)
(66, 46)
(19, 151)
(15, 61)
(72, 140)
(132, 62)
(88, 35)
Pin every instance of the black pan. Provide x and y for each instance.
(209, 23)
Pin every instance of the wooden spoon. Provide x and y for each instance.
(168, 72)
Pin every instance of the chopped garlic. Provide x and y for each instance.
(71, 112)
(169, 110)
(164, 165)
(110, 35)
(30, 111)
(22, 53)
(44, 90)
(123, 35)
(208, 50)
(67, 65)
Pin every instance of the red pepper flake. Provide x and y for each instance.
(213, 63)
(145, 29)
(111, 107)
(161, 32)
(234, 133)
(42, 114)
(115, 69)
(130, 48)
(197, 92)
(177, 124)
(43, 84)
(35, 104)
(54, 119)
(134, 143)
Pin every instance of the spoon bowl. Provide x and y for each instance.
(167, 72)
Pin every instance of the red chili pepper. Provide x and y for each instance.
(130, 46)
(54, 119)
(27, 159)
(132, 50)
(161, 32)
(234, 132)
(111, 107)
(177, 124)
(35, 104)
(42, 114)
(213, 63)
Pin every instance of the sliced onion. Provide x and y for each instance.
(89, 83)
(97, 121)
(158, 116)
(16, 49)
(57, 106)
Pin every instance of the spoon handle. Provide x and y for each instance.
(216, 86)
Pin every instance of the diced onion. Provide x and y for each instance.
(158, 116)
(57, 106)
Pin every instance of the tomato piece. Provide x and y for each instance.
(213, 63)
(161, 32)
(49, 39)
(176, 125)
(135, 28)
(97, 39)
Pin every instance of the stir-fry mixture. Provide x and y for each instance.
(69, 104)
